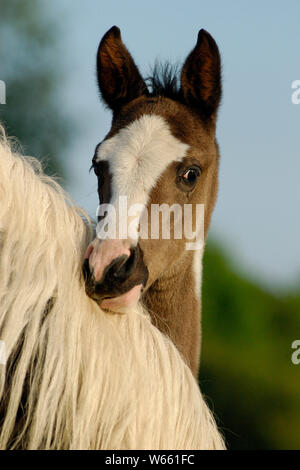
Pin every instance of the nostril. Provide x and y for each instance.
(130, 263)
(86, 270)
(127, 267)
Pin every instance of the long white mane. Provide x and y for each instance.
(76, 377)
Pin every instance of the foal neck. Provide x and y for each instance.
(174, 304)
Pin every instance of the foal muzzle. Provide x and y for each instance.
(114, 273)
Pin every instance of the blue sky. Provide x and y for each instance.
(257, 215)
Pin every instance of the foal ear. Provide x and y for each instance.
(118, 77)
(201, 76)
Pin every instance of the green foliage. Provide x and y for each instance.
(30, 69)
(246, 371)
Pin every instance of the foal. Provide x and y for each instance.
(161, 149)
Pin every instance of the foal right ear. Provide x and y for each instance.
(118, 77)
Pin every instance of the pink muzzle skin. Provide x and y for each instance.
(100, 254)
(128, 299)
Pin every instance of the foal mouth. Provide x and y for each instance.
(127, 299)
(122, 283)
(116, 301)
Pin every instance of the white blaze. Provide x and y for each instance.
(137, 156)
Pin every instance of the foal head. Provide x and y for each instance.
(161, 149)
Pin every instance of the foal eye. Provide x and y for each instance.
(191, 176)
(188, 179)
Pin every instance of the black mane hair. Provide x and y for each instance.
(165, 81)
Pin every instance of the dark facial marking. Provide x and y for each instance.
(101, 169)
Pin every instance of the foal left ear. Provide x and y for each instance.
(201, 76)
(118, 77)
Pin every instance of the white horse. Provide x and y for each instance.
(76, 377)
